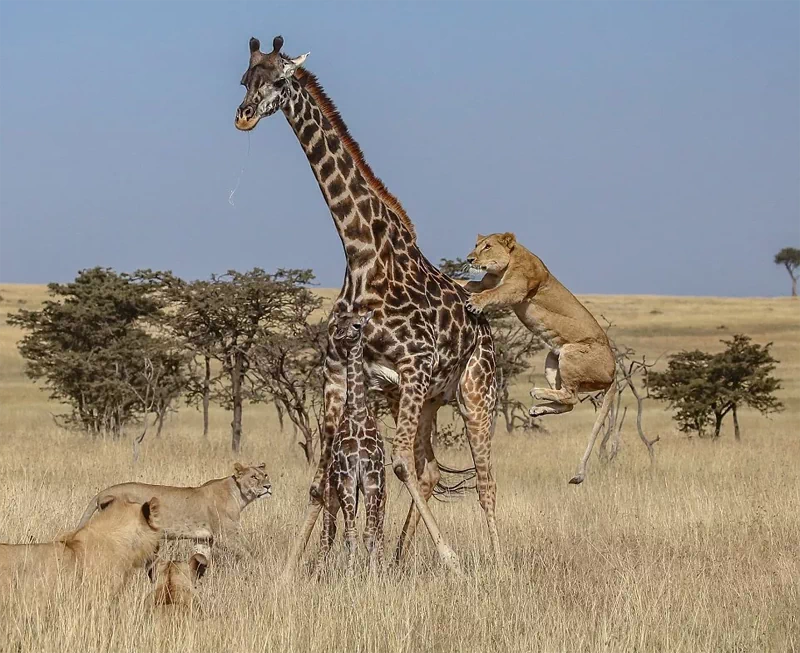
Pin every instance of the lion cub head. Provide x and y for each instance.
(253, 481)
(175, 581)
(492, 253)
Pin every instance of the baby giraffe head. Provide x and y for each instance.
(349, 326)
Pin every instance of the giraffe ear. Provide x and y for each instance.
(290, 65)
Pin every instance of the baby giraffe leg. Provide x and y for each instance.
(348, 498)
(329, 514)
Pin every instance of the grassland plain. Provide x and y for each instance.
(699, 553)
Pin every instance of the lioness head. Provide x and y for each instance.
(492, 253)
(253, 481)
(175, 581)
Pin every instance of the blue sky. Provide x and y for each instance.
(636, 147)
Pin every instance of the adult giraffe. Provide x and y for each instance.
(421, 346)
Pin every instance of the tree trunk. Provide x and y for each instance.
(160, 423)
(794, 286)
(736, 433)
(307, 445)
(717, 424)
(206, 395)
(236, 391)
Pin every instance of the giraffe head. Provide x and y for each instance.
(349, 326)
(266, 80)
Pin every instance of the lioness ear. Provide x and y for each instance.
(238, 469)
(151, 512)
(198, 563)
(508, 239)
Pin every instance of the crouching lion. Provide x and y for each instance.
(580, 357)
(195, 513)
(123, 538)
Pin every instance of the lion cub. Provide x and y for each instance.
(357, 453)
(175, 581)
(580, 358)
(195, 513)
(123, 538)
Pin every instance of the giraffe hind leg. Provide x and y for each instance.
(412, 401)
(477, 395)
(427, 472)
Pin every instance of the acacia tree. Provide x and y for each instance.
(789, 257)
(191, 318)
(88, 346)
(703, 388)
(221, 319)
(287, 362)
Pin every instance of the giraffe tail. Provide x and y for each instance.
(443, 491)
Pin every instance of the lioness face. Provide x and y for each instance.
(253, 482)
(492, 253)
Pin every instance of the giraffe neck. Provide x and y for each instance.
(368, 218)
(356, 402)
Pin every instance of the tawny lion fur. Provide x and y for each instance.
(124, 537)
(197, 513)
(580, 358)
(175, 581)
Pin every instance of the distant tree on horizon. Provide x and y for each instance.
(789, 257)
(703, 388)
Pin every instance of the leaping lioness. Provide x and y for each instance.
(580, 358)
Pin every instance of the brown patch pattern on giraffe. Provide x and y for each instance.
(421, 345)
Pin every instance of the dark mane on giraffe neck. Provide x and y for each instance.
(329, 110)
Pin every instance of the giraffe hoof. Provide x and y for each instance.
(535, 412)
(577, 479)
(450, 560)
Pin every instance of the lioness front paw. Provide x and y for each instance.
(472, 306)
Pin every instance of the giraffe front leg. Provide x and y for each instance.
(375, 504)
(335, 390)
(412, 398)
(347, 490)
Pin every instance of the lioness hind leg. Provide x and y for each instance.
(551, 408)
(551, 374)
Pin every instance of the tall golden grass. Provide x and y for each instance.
(699, 553)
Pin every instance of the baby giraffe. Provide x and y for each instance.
(357, 454)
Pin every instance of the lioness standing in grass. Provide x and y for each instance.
(580, 358)
(195, 513)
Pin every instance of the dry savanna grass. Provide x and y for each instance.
(700, 553)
